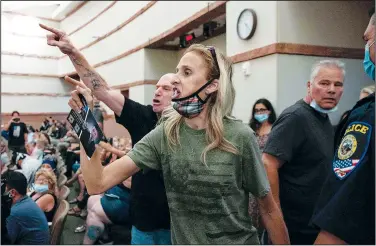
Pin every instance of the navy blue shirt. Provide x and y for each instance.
(27, 223)
(346, 207)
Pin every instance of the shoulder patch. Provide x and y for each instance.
(352, 149)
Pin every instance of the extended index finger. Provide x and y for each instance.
(51, 29)
(74, 82)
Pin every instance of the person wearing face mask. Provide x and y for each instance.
(210, 161)
(263, 117)
(300, 149)
(149, 212)
(44, 193)
(26, 224)
(345, 212)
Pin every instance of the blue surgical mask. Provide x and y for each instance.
(40, 188)
(261, 117)
(314, 105)
(369, 66)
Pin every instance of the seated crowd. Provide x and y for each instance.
(35, 180)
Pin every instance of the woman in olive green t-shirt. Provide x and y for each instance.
(209, 160)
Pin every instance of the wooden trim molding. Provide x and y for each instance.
(92, 19)
(24, 35)
(204, 15)
(22, 14)
(299, 49)
(45, 18)
(74, 10)
(35, 94)
(133, 84)
(129, 20)
(29, 55)
(32, 75)
(212, 11)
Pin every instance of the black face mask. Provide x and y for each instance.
(6, 200)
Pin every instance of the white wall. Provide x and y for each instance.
(266, 30)
(156, 20)
(106, 22)
(23, 84)
(263, 79)
(282, 78)
(292, 82)
(327, 23)
(24, 44)
(19, 64)
(159, 62)
(124, 71)
(261, 83)
(218, 42)
(34, 104)
(149, 91)
(142, 94)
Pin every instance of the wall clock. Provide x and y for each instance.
(246, 25)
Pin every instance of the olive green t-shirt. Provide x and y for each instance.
(208, 204)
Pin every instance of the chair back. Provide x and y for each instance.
(62, 170)
(61, 180)
(63, 193)
(58, 223)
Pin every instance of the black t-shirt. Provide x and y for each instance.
(346, 207)
(148, 209)
(303, 139)
(17, 132)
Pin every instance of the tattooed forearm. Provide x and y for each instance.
(87, 73)
(96, 80)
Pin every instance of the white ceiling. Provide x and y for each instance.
(47, 9)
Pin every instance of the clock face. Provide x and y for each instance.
(246, 24)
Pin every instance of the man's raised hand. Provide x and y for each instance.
(58, 38)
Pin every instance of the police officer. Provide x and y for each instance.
(345, 211)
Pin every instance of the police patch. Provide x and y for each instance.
(352, 149)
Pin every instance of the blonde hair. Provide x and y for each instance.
(219, 105)
(368, 89)
(50, 176)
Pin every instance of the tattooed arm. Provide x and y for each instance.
(112, 98)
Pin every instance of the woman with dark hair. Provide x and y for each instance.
(262, 119)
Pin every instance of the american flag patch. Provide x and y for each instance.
(343, 167)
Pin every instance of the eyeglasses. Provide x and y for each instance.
(261, 110)
(214, 55)
(42, 181)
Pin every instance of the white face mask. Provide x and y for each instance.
(314, 105)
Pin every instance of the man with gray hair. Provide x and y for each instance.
(299, 149)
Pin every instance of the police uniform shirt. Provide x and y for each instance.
(346, 207)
